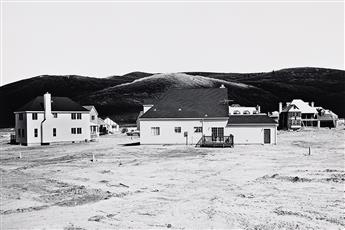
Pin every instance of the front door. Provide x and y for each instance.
(217, 134)
(267, 136)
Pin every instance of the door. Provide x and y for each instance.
(217, 134)
(267, 136)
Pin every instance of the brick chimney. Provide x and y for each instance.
(47, 105)
(312, 104)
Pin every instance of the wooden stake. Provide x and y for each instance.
(20, 155)
(93, 158)
(309, 151)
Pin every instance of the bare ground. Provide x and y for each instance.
(178, 187)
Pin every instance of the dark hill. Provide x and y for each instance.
(120, 97)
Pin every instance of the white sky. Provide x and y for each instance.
(114, 38)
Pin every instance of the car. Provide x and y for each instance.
(133, 133)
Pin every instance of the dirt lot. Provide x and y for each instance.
(178, 187)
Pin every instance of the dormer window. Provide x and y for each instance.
(237, 112)
(246, 112)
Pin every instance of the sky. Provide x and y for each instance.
(101, 39)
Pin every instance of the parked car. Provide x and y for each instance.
(133, 133)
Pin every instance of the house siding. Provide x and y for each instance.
(63, 124)
(167, 130)
(253, 134)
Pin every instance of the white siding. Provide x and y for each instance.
(167, 130)
(245, 134)
(63, 124)
(251, 134)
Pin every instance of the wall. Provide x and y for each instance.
(21, 124)
(63, 124)
(167, 130)
(253, 134)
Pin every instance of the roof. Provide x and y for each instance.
(58, 104)
(291, 108)
(250, 119)
(304, 107)
(90, 107)
(100, 121)
(190, 103)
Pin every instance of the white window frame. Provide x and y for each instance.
(155, 131)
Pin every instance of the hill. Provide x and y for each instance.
(121, 97)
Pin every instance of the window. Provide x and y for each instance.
(198, 129)
(36, 132)
(19, 134)
(237, 112)
(177, 129)
(73, 116)
(93, 117)
(155, 131)
(54, 132)
(34, 116)
(78, 130)
(23, 134)
(55, 115)
(20, 116)
(79, 116)
(73, 130)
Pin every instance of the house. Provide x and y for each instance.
(297, 114)
(194, 116)
(102, 126)
(112, 126)
(94, 127)
(47, 119)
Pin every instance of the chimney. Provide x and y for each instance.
(280, 107)
(312, 104)
(258, 108)
(47, 105)
(222, 86)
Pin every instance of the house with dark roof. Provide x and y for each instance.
(203, 116)
(47, 119)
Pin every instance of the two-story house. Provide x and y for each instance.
(47, 119)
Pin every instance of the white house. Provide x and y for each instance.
(112, 126)
(189, 116)
(94, 126)
(47, 119)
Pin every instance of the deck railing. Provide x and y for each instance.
(212, 141)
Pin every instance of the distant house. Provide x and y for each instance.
(112, 126)
(297, 114)
(94, 126)
(47, 119)
(108, 126)
(194, 116)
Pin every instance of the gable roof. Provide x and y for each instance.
(291, 108)
(90, 107)
(250, 119)
(58, 104)
(304, 107)
(190, 103)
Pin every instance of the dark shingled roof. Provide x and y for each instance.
(190, 103)
(58, 104)
(250, 119)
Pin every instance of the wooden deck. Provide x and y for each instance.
(211, 142)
